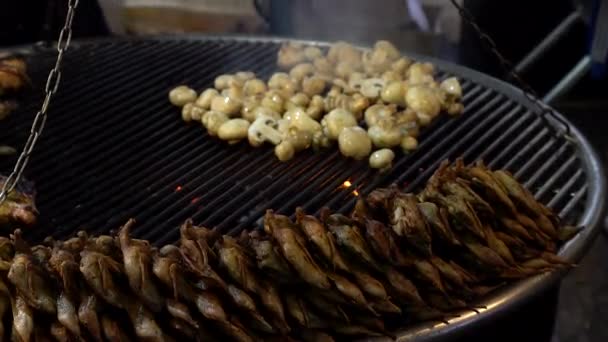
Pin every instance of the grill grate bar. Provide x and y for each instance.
(549, 184)
(534, 145)
(76, 89)
(162, 129)
(313, 179)
(73, 88)
(545, 167)
(575, 200)
(492, 132)
(567, 189)
(520, 140)
(120, 121)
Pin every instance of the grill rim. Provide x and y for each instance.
(504, 300)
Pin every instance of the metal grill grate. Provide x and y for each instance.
(114, 147)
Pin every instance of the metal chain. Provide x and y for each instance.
(527, 90)
(52, 83)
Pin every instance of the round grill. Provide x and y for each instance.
(115, 148)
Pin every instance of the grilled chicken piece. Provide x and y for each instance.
(30, 279)
(137, 260)
(293, 248)
(143, 323)
(67, 314)
(112, 331)
(13, 74)
(5, 304)
(321, 238)
(351, 241)
(87, 315)
(23, 320)
(19, 208)
(100, 271)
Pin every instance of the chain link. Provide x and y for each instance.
(51, 86)
(527, 90)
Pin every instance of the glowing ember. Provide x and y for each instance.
(347, 184)
(195, 200)
(178, 189)
(356, 193)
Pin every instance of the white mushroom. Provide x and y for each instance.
(375, 113)
(224, 81)
(355, 80)
(263, 129)
(344, 52)
(298, 119)
(191, 111)
(313, 85)
(385, 134)
(264, 111)
(420, 73)
(277, 80)
(372, 87)
(455, 108)
(452, 87)
(284, 151)
(392, 53)
(289, 55)
(320, 140)
(234, 93)
(423, 99)
(315, 107)
(181, 95)
(301, 70)
(233, 130)
(323, 66)
(249, 106)
(394, 92)
(244, 75)
(300, 140)
(226, 105)
(376, 61)
(382, 159)
(312, 52)
(400, 66)
(205, 98)
(213, 120)
(354, 142)
(298, 100)
(424, 119)
(272, 100)
(391, 75)
(409, 144)
(357, 105)
(345, 68)
(254, 87)
(335, 121)
(283, 84)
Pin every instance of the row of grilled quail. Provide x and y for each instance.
(399, 258)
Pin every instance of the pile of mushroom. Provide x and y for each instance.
(366, 101)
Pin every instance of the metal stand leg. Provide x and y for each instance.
(566, 83)
(541, 49)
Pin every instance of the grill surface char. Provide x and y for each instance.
(115, 148)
